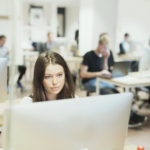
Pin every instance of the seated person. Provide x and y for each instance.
(125, 45)
(52, 79)
(125, 48)
(49, 45)
(111, 57)
(95, 65)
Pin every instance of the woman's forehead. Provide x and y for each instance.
(53, 69)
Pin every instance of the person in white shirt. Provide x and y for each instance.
(49, 45)
(4, 53)
(52, 79)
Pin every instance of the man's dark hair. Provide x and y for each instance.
(126, 34)
(2, 36)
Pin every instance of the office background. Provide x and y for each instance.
(91, 17)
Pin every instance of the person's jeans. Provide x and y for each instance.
(105, 88)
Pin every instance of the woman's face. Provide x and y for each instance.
(54, 79)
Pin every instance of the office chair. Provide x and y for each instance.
(147, 101)
(143, 66)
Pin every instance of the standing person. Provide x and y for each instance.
(4, 52)
(95, 64)
(52, 79)
(125, 45)
(77, 37)
(22, 71)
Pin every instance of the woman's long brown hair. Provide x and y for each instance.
(43, 60)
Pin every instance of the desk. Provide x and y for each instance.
(73, 63)
(137, 79)
(126, 57)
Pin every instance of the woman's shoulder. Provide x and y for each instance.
(26, 100)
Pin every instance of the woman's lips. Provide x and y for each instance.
(55, 88)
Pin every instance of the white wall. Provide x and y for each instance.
(85, 26)
(12, 27)
(17, 35)
(38, 33)
(5, 23)
(97, 16)
(72, 22)
(134, 18)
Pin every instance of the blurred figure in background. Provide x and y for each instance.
(124, 46)
(4, 52)
(77, 37)
(48, 45)
(111, 57)
(49, 42)
(95, 64)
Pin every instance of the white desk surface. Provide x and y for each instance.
(127, 58)
(136, 79)
(128, 81)
(133, 79)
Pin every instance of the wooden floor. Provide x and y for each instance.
(138, 136)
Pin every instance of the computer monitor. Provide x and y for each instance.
(145, 60)
(121, 68)
(91, 123)
(3, 79)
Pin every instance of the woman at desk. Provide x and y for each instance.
(52, 79)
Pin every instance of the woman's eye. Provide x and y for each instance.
(47, 77)
(60, 75)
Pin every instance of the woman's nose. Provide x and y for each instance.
(55, 80)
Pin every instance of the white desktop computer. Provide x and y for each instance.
(91, 123)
